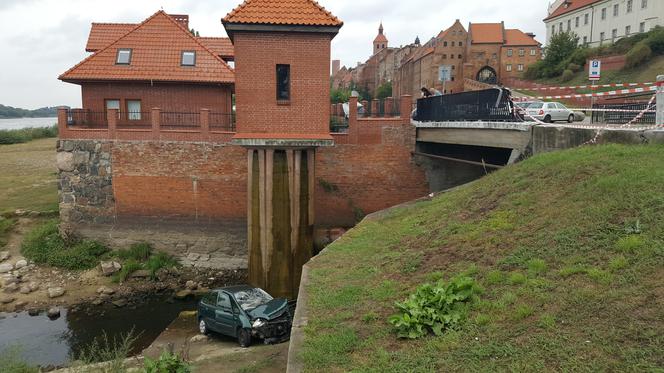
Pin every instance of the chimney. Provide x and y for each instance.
(182, 19)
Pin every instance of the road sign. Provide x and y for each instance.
(445, 73)
(595, 70)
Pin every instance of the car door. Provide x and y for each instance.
(207, 310)
(224, 318)
(564, 112)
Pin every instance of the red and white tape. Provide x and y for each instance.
(598, 94)
(589, 86)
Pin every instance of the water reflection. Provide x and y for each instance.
(55, 342)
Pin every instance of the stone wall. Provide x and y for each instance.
(85, 182)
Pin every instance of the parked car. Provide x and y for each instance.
(550, 112)
(245, 312)
(521, 107)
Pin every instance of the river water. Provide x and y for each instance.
(18, 123)
(44, 342)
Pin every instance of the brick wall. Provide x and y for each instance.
(256, 57)
(168, 97)
(609, 63)
(515, 60)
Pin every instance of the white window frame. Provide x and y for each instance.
(522, 52)
(644, 4)
(123, 51)
(133, 113)
(508, 67)
(519, 67)
(603, 14)
(616, 10)
(533, 52)
(510, 52)
(630, 6)
(586, 19)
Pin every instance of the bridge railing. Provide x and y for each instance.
(489, 105)
(622, 113)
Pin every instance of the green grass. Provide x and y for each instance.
(570, 283)
(28, 179)
(44, 245)
(645, 73)
(141, 256)
(23, 135)
(11, 361)
(6, 226)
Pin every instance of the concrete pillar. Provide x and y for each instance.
(660, 101)
(62, 122)
(112, 118)
(155, 121)
(205, 123)
(280, 217)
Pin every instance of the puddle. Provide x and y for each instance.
(48, 342)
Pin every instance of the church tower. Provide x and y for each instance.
(380, 42)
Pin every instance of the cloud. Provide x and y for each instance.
(43, 38)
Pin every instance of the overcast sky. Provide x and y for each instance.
(40, 39)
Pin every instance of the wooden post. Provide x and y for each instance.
(62, 122)
(112, 117)
(155, 120)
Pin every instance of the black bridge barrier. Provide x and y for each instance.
(493, 104)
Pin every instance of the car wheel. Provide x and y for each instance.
(244, 337)
(547, 119)
(570, 119)
(202, 327)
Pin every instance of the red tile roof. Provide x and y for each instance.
(380, 39)
(156, 45)
(282, 12)
(569, 6)
(487, 33)
(103, 34)
(519, 38)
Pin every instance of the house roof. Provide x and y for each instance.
(487, 33)
(569, 6)
(380, 39)
(156, 44)
(103, 34)
(282, 12)
(514, 37)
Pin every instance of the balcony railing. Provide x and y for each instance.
(222, 122)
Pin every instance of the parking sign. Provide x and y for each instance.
(445, 73)
(595, 70)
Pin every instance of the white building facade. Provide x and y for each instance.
(598, 22)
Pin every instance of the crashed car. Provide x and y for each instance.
(245, 312)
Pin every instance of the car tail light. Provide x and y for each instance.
(541, 112)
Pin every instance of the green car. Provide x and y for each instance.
(245, 312)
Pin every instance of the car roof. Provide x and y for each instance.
(235, 288)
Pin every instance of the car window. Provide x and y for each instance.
(224, 301)
(210, 298)
(252, 298)
(535, 105)
(561, 106)
(551, 105)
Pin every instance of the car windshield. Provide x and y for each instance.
(252, 298)
(535, 105)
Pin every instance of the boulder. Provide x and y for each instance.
(6, 267)
(191, 285)
(20, 264)
(20, 304)
(5, 299)
(120, 303)
(34, 286)
(65, 161)
(105, 290)
(199, 338)
(25, 289)
(56, 292)
(11, 288)
(4, 255)
(53, 313)
(141, 273)
(183, 294)
(110, 267)
(33, 312)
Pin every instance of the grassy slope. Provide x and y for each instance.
(566, 286)
(28, 177)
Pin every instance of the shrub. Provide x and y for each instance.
(618, 263)
(26, 134)
(655, 40)
(434, 308)
(517, 278)
(495, 277)
(574, 67)
(567, 76)
(139, 252)
(43, 245)
(638, 55)
(11, 362)
(167, 363)
(159, 261)
(128, 267)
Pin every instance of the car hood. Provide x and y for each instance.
(269, 310)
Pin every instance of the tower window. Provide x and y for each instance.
(283, 82)
(123, 57)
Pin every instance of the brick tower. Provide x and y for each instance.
(380, 42)
(282, 85)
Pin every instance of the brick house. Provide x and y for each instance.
(158, 63)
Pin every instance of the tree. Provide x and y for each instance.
(561, 46)
(384, 91)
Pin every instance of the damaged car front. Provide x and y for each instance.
(270, 318)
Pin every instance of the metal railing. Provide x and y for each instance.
(489, 104)
(222, 122)
(339, 124)
(618, 117)
(179, 121)
(86, 118)
(134, 120)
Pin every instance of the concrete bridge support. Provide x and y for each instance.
(280, 217)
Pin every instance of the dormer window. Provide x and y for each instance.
(188, 58)
(123, 57)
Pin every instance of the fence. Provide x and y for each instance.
(489, 104)
(86, 118)
(222, 122)
(618, 117)
(134, 120)
(184, 121)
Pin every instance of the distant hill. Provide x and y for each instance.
(7, 112)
